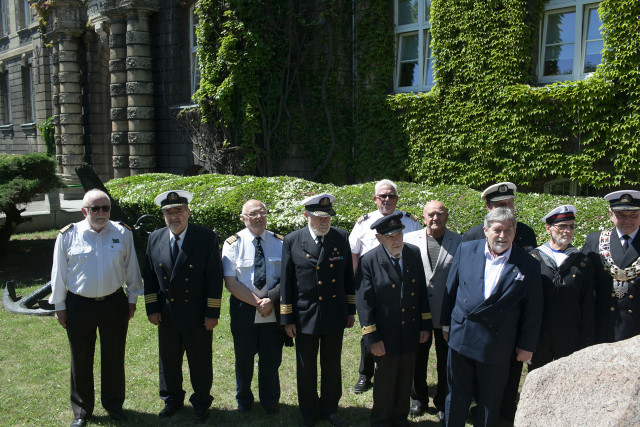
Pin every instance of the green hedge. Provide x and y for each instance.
(218, 201)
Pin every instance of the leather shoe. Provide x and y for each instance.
(440, 415)
(200, 415)
(417, 408)
(335, 421)
(117, 415)
(170, 409)
(362, 385)
(79, 422)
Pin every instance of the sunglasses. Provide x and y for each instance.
(387, 196)
(98, 208)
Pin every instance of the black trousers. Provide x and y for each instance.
(172, 344)
(367, 363)
(420, 391)
(465, 377)
(330, 346)
(110, 317)
(510, 394)
(392, 389)
(249, 339)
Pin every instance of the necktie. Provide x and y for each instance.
(259, 269)
(319, 240)
(396, 265)
(175, 249)
(625, 245)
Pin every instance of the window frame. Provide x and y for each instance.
(194, 71)
(5, 93)
(580, 8)
(4, 22)
(423, 29)
(26, 76)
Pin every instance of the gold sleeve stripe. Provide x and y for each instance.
(351, 299)
(426, 316)
(150, 298)
(286, 308)
(368, 329)
(214, 302)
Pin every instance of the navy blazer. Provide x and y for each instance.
(489, 330)
(317, 289)
(616, 318)
(391, 308)
(190, 291)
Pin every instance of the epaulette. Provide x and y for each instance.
(66, 228)
(232, 239)
(412, 216)
(125, 225)
(278, 236)
(536, 255)
(362, 218)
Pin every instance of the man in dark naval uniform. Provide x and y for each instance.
(502, 195)
(393, 309)
(616, 256)
(317, 302)
(182, 291)
(567, 285)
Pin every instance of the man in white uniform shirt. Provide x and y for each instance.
(251, 263)
(362, 239)
(92, 259)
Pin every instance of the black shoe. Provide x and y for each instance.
(271, 410)
(170, 409)
(417, 408)
(335, 421)
(117, 415)
(362, 385)
(79, 422)
(440, 416)
(200, 415)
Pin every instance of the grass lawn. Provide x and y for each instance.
(34, 377)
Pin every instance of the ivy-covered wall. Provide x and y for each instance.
(486, 120)
(312, 81)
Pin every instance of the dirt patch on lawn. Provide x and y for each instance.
(27, 262)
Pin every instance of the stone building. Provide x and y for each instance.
(113, 74)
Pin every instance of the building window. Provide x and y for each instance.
(5, 96)
(414, 56)
(193, 50)
(27, 94)
(25, 14)
(4, 22)
(571, 45)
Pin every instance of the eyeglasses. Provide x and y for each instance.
(565, 227)
(387, 196)
(95, 209)
(254, 215)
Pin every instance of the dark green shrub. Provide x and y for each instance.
(22, 178)
(218, 201)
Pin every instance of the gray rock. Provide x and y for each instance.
(597, 386)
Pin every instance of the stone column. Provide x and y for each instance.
(68, 105)
(139, 86)
(118, 93)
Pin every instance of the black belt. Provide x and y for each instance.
(98, 299)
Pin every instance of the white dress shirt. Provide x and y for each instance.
(493, 267)
(362, 238)
(92, 264)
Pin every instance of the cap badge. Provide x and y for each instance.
(502, 189)
(626, 198)
(172, 197)
(325, 201)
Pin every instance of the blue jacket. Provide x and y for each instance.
(489, 330)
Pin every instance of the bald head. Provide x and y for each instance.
(254, 216)
(435, 216)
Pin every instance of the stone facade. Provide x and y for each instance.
(112, 73)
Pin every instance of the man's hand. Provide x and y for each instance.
(377, 348)
(351, 320)
(290, 329)
(424, 336)
(132, 310)
(445, 335)
(523, 355)
(61, 316)
(210, 323)
(155, 318)
(264, 307)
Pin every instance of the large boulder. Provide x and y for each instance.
(597, 386)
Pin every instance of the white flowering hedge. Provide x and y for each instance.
(218, 201)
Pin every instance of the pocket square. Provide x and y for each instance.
(519, 276)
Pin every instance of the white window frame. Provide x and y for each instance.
(194, 72)
(422, 28)
(581, 8)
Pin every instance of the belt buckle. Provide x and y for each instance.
(99, 299)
